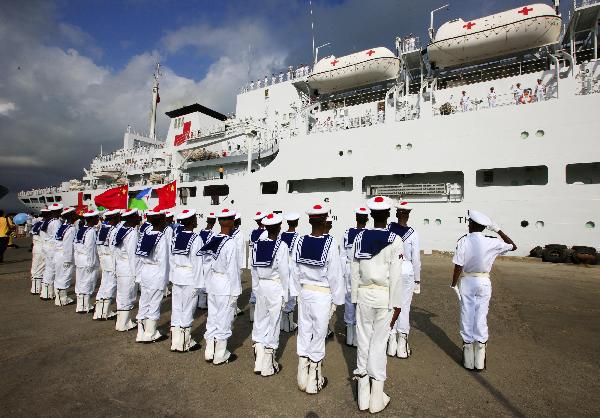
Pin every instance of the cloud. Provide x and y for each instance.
(6, 107)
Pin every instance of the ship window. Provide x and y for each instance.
(524, 224)
(332, 184)
(584, 173)
(269, 187)
(192, 191)
(513, 176)
(49, 199)
(438, 187)
(35, 200)
(58, 198)
(26, 200)
(216, 190)
(87, 196)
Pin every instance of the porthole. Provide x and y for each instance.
(341, 153)
(438, 221)
(409, 146)
(349, 152)
(524, 135)
(539, 224)
(590, 225)
(524, 224)
(425, 221)
(398, 147)
(540, 133)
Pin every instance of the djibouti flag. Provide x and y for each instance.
(140, 200)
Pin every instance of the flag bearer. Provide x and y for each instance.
(270, 284)
(290, 237)
(37, 252)
(48, 233)
(362, 217)
(108, 282)
(87, 263)
(317, 271)
(221, 279)
(411, 280)
(64, 257)
(377, 292)
(473, 260)
(205, 235)
(152, 275)
(124, 246)
(254, 236)
(185, 268)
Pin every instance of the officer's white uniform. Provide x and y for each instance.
(37, 255)
(87, 264)
(48, 233)
(124, 245)
(64, 260)
(108, 282)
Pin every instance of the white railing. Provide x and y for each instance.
(286, 75)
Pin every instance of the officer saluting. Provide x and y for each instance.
(473, 260)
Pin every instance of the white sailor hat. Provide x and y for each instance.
(403, 205)
(211, 215)
(130, 212)
(238, 215)
(44, 210)
(55, 206)
(168, 213)
(259, 215)
(185, 214)
(151, 212)
(67, 210)
(112, 212)
(361, 211)
(226, 213)
(90, 213)
(272, 219)
(479, 218)
(329, 219)
(317, 210)
(378, 203)
(292, 216)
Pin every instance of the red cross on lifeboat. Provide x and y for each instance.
(180, 139)
(370, 52)
(469, 25)
(334, 62)
(525, 10)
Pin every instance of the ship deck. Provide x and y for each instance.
(542, 356)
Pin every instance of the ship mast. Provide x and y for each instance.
(155, 101)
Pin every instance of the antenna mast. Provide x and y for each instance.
(155, 101)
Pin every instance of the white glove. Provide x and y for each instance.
(457, 291)
(494, 227)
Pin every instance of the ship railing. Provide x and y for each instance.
(409, 44)
(588, 78)
(329, 122)
(289, 74)
(419, 191)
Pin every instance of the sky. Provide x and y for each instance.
(75, 74)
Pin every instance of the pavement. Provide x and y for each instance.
(543, 356)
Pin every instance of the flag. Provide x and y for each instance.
(140, 200)
(115, 198)
(166, 196)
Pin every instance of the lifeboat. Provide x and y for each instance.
(362, 68)
(458, 42)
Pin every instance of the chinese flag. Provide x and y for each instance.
(115, 198)
(166, 196)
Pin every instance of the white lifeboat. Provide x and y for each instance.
(333, 74)
(458, 42)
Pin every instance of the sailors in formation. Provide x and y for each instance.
(374, 274)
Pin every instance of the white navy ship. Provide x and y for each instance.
(418, 123)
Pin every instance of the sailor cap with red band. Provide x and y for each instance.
(403, 205)
(91, 213)
(55, 206)
(67, 211)
(130, 212)
(317, 210)
(186, 214)
(155, 212)
(259, 215)
(112, 212)
(272, 219)
(44, 210)
(226, 213)
(168, 214)
(479, 218)
(361, 211)
(211, 215)
(292, 216)
(378, 203)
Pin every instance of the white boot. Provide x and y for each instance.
(403, 350)
(417, 288)
(107, 313)
(303, 365)
(36, 286)
(87, 307)
(47, 291)
(202, 300)
(251, 316)
(468, 356)
(259, 353)
(209, 352)
(141, 323)
(151, 334)
(124, 323)
(479, 355)
(222, 355)
(392, 348)
(188, 342)
(316, 381)
(177, 341)
(79, 306)
(379, 400)
(349, 334)
(269, 365)
(61, 298)
(364, 391)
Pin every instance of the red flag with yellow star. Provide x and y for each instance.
(166, 196)
(115, 198)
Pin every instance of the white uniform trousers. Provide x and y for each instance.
(37, 263)
(126, 293)
(267, 314)
(63, 276)
(408, 288)
(85, 280)
(183, 300)
(149, 304)
(475, 293)
(221, 311)
(372, 331)
(49, 271)
(108, 285)
(313, 318)
(349, 310)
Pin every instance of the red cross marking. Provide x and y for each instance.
(525, 10)
(469, 25)
(180, 139)
(334, 62)
(370, 52)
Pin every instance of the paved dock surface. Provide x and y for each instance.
(543, 356)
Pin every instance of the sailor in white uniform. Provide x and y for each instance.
(87, 264)
(172, 228)
(316, 270)
(473, 260)
(205, 235)
(491, 97)
(270, 283)
(64, 257)
(290, 237)
(185, 268)
(254, 236)
(152, 252)
(540, 91)
(48, 233)
(238, 237)
(108, 282)
(37, 252)
(221, 279)
(411, 280)
(124, 245)
(362, 217)
(377, 292)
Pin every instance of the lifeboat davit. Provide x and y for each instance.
(458, 42)
(362, 68)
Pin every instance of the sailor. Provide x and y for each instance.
(254, 236)
(108, 282)
(464, 101)
(205, 235)
(124, 246)
(270, 283)
(328, 226)
(317, 271)
(266, 80)
(290, 237)
(64, 257)
(473, 260)
(221, 279)
(540, 91)
(37, 252)
(87, 263)
(411, 279)
(377, 292)
(290, 73)
(152, 253)
(48, 233)
(258, 83)
(517, 93)
(252, 85)
(185, 268)
(281, 76)
(362, 217)
(172, 229)
(238, 237)
(273, 79)
(491, 97)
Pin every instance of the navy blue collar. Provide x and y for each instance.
(290, 239)
(370, 242)
(62, 230)
(205, 234)
(313, 251)
(81, 231)
(255, 235)
(147, 242)
(264, 252)
(39, 226)
(351, 234)
(182, 242)
(122, 232)
(214, 246)
(402, 231)
(145, 226)
(101, 239)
